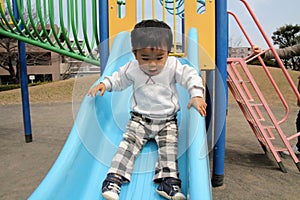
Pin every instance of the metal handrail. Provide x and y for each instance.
(284, 70)
(253, 56)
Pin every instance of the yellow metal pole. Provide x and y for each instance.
(2, 4)
(205, 25)
(174, 24)
(164, 10)
(153, 9)
(143, 9)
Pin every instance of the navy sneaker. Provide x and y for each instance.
(111, 187)
(170, 188)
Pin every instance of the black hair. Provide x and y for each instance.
(151, 33)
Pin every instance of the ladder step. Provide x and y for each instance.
(269, 127)
(249, 100)
(280, 149)
(256, 104)
(258, 111)
(243, 81)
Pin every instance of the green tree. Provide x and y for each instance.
(285, 36)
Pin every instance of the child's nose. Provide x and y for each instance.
(152, 63)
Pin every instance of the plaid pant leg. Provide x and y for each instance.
(167, 141)
(129, 148)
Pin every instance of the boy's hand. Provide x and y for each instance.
(256, 49)
(100, 87)
(199, 104)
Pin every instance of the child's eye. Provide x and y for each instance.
(159, 58)
(146, 59)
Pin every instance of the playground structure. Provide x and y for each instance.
(19, 28)
(211, 58)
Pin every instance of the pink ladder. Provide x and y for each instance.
(257, 111)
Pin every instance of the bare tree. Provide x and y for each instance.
(9, 59)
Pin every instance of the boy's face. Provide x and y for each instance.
(151, 60)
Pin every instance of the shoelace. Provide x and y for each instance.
(114, 187)
(176, 188)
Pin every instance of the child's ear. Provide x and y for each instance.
(134, 52)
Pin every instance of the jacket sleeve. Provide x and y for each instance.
(287, 52)
(188, 78)
(118, 80)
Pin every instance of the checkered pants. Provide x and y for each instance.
(139, 131)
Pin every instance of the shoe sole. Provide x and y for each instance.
(288, 153)
(164, 194)
(108, 196)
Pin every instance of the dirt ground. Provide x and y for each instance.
(249, 173)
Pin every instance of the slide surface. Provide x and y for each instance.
(97, 131)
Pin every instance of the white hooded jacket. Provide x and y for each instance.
(156, 96)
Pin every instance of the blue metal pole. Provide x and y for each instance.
(221, 91)
(103, 24)
(24, 82)
(183, 33)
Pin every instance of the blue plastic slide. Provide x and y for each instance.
(84, 161)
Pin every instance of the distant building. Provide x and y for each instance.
(43, 64)
(239, 52)
(72, 68)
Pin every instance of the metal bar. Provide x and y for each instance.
(42, 23)
(20, 8)
(12, 17)
(239, 77)
(5, 21)
(83, 43)
(153, 9)
(84, 27)
(164, 10)
(33, 23)
(221, 91)
(95, 23)
(24, 81)
(70, 18)
(53, 28)
(143, 9)
(294, 136)
(103, 24)
(62, 27)
(175, 27)
(74, 24)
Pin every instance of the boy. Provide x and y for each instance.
(154, 104)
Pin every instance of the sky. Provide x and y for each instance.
(271, 14)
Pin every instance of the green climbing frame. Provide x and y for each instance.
(49, 24)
